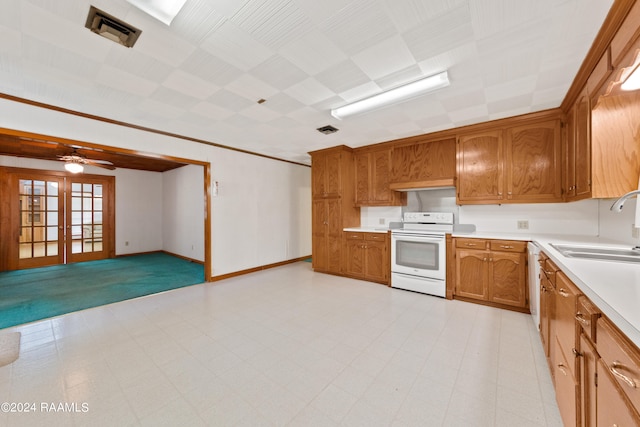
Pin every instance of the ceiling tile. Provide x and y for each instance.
(123, 81)
(162, 44)
(174, 98)
(312, 53)
(408, 14)
(359, 25)
(440, 34)
(511, 88)
(272, 22)
(394, 50)
(237, 47)
(343, 76)
(401, 77)
(212, 111)
(282, 103)
(210, 68)
(230, 100)
(196, 20)
(278, 72)
(140, 64)
(309, 92)
(189, 85)
(251, 88)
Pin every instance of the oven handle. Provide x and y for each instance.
(418, 238)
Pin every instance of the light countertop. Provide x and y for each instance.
(613, 286)
(367, 229)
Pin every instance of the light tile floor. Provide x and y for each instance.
(282, 347)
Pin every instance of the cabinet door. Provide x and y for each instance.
(377, 261)
(362, 178)
(326, 179)
(380, 162)
(471, 274)
(565, 384)
(612, 407)
(355, 258)
(334, 234)
(545, 311)
(320, 223)
(587, 360)
(507, 279)
(424, 164)
(480, 167)
(533, 169)
(582, 155)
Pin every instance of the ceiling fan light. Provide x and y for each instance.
(163, 10)
(73, 167)
(393, 96)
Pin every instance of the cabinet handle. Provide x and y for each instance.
(490, 259)
(543, 288)
(548, 273)
(631, 382)
(576, 353)
(470, 244)
(580, 318)
(506, 247)
(484, 259)
(563, 293)
(563, 369)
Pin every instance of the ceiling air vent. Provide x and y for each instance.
(111, 28)
(327, 130)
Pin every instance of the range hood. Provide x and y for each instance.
(435, 184)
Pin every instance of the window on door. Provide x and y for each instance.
(55, 218)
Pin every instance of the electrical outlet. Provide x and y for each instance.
(635, 232)
(523, 224)
(381, 221)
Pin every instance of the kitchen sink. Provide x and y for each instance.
(599, 252)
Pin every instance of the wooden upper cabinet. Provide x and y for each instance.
(326, 176)
(372, 174)
(514, 164)
(424, 165)
(480, 168)
(578, 150)
(533, 162)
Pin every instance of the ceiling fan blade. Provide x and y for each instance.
(100, 163)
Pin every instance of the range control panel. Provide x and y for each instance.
(429, 217)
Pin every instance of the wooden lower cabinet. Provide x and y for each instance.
(595, 368)
(492, 272)
(612, 407)
(367, 256)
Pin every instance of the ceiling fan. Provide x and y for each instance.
(75, 162)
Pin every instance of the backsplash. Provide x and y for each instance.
(586, 217)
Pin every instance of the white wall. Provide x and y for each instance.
(262, 214)
(183, 211)
(138, 203)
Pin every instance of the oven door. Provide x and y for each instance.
(422, 255)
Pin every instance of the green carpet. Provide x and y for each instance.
(40, 293)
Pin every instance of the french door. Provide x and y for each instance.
(57, 218)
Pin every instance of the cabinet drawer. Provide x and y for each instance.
(508, 246)
(550, 269)
(621, 360)
(351, 235)
(471, 243)
(375, 237)
(587, 316)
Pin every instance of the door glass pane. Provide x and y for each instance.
(39, 220)
(86, 218)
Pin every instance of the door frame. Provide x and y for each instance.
(9, 177)
(206, 190)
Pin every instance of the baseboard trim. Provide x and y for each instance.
(164, 252)
(255, 269)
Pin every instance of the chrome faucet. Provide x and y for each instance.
(618, 204)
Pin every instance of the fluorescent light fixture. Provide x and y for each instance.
(163, 10)
(393, 96)
(633, 81)
(74, 167)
